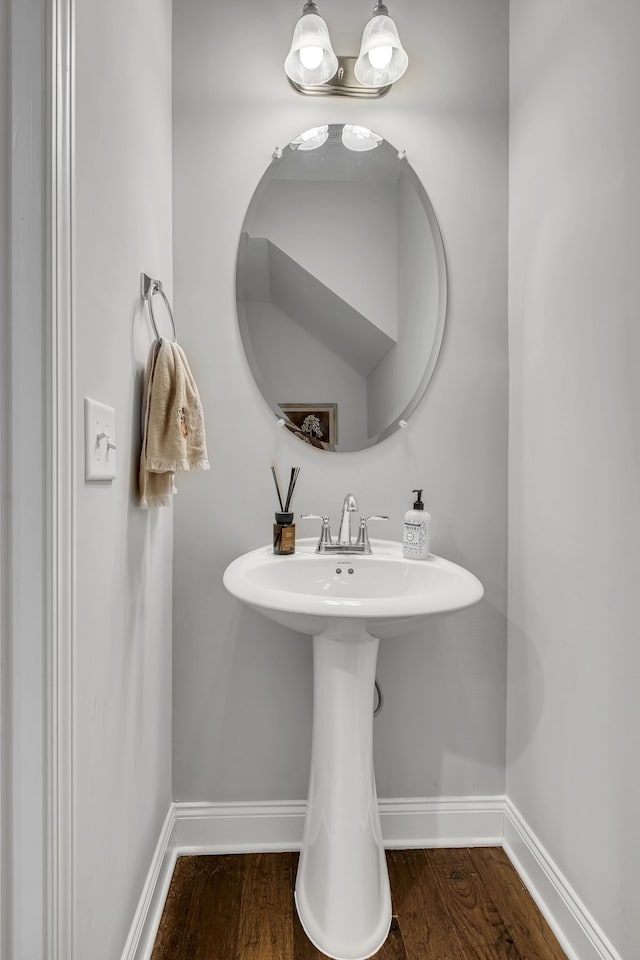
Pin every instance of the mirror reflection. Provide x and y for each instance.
(341, 287)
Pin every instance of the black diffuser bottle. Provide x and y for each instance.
(284, 529)
(284, 534)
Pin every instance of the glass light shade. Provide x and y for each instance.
(359, 138)
(311, 66)
(375, 66)
(311, 139)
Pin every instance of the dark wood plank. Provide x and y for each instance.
(531, 932)
(427, 928)
(202, 912)
(479, 927)
(265, 930)
(447, 904)
(393, 948)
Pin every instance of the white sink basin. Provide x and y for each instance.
(308, 591)
(348, 603)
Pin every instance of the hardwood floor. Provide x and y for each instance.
(462, 904)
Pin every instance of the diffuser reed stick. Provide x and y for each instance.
(275, 480)
(292, 484)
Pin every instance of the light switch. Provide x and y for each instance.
(99, 441)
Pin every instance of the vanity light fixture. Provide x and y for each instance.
(314, 69)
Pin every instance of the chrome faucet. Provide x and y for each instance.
(344, 543)
(349, 506)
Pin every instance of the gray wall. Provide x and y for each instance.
(574, 653)
(242, 687)
(123, 662)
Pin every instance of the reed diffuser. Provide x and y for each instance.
(284, 529)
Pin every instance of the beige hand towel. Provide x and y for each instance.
(173, 435)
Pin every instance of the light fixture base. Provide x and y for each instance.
(342, 84)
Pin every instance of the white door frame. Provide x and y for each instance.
(37, 493)
(62, 433)
(5, 251)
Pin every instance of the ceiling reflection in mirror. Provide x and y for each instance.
(341, 287)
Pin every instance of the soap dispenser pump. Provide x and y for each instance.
(415, 540)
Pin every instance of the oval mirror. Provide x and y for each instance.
(341, 287)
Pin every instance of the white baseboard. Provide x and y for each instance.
(154, 894)
(416, 822)
(580, 936)
(442, 822)
(210, 828)
(239, 827)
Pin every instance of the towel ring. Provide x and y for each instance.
(148, 287)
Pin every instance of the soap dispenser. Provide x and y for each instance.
(415, 541)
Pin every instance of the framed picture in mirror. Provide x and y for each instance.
(314, 423)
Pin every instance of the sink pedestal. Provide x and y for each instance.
(342, 887)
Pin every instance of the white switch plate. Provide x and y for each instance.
(99, 441)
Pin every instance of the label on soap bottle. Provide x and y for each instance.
(414, 542)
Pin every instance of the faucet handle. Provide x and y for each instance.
(325, 532)
(363, 533)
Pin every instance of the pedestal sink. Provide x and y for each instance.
(348, 604)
